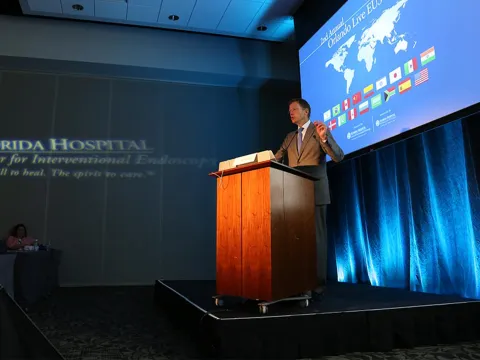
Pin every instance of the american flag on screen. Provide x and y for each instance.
(421, 77)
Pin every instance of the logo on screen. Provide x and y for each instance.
(332, 125)
(387, 94)
(395, 75)
(427, 56)
(410, 66)
(405, 85)
(352, 114)
(342, 119)
(364, 107)
(368, 91)
(357, 98)
(381, 83)
(336, 110)
(421, 77)
(327, 115)
(376, 101)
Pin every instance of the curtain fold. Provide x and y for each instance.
(406, 216)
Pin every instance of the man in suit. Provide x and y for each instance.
(308, 146)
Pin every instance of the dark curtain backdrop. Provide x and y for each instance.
(407, 215)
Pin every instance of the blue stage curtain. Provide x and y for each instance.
(407, 215)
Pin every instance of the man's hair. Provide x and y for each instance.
(303, 104)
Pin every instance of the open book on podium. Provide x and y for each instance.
(265, 229)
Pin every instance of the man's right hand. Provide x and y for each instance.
(321, 130)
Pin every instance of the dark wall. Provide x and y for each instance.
(148, 53)
(311, 16)
(194, 99)
(123, 230)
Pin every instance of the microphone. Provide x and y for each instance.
(290, 143)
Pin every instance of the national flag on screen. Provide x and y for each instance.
(404, 85)
(381, 83)
(336, 110)
(395, 75)
(376, 101)
(357, 98)
(327, 115)
(410, 66)
(421, 77)
(342, 119)
(345, 104)
(387, 94)
(427, 56)
(364, 107)
(352, 114)
(368, 91)
(332, 125)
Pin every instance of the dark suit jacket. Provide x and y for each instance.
(312, 155)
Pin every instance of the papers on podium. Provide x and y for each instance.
(246, 159)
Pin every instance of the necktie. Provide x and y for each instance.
(299, 139)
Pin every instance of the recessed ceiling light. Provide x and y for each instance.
(77, 7)
(261, 28)
(173, 17)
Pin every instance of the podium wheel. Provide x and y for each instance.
(263, 309)
(304, 303)
(218, 302)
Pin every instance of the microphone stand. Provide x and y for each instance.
(290, 143)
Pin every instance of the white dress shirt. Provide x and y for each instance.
(303, 129)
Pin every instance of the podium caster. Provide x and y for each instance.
(218, 302)
(304, 303)
(263, 309)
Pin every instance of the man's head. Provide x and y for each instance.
(299, 110)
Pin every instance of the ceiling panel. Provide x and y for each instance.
(182, 8)
(206, 16)
(241, 18)
(271, 27)
(261, 19)
(111, 9)
(70, 7)
(279, 9)
(53, 6)
(239, 15)
(153, 3)
(141, 13)
(284, 30)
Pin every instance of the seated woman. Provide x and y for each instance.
(18, 238)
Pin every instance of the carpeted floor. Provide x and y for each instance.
(122, 323)
(109, 323)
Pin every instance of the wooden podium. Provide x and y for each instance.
(265, 231)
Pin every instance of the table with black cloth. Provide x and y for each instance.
(7, 264)
(35, 275)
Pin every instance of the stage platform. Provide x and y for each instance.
(349, 318)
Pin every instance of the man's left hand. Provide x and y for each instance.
(321, 130)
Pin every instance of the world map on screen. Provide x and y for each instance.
(380, 68)
(382, 31)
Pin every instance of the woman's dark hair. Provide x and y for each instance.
(15, 228)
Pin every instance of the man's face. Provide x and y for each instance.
(298, 115)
